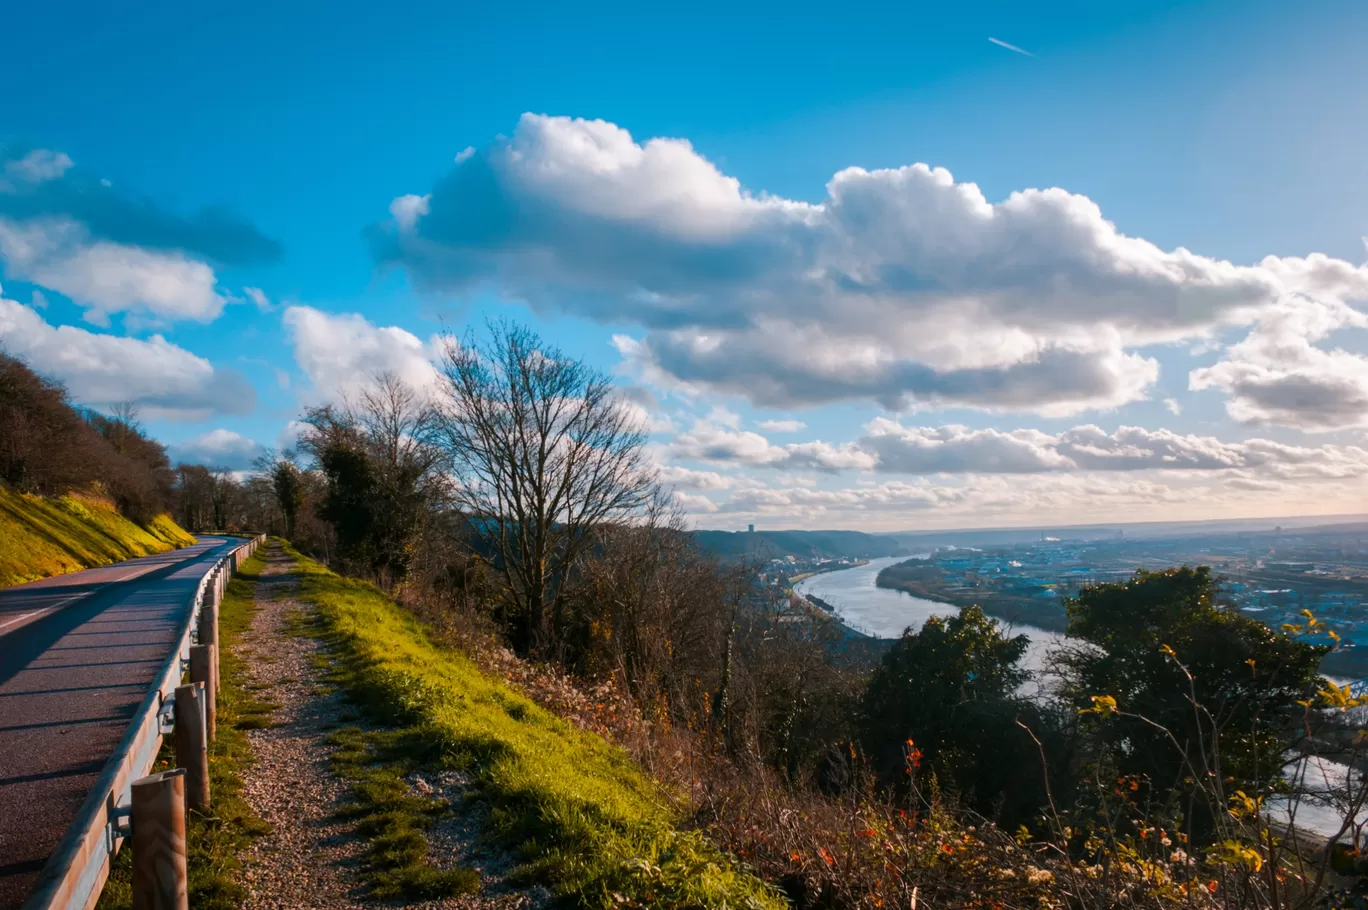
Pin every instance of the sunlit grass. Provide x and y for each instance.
(40, 537)
(585, 818)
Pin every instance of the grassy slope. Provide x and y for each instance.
(586, 818)
(41, 537)
(216, 838)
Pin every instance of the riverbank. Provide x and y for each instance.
(849, 630)
(923, 579)
(804, 576)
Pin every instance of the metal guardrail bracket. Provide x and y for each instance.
(166, 717)
(121, 822)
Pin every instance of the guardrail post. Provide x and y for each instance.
(192, 744)
(202, 671)
(159, 858)
(209, 634)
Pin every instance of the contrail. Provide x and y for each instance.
(1011, 47)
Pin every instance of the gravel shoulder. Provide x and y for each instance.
(312, 857)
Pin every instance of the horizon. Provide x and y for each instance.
(982, 268)
(1300, 522)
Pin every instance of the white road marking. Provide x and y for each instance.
(57, 606)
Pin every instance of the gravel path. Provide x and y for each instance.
(311, 859)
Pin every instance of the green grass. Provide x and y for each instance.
(216, 838)
(392, 818)
(40, 537)
(586, 819)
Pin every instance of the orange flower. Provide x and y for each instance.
(827, 857)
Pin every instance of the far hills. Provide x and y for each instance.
(799, 544)
(857, 544)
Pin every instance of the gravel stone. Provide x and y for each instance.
(311, 858)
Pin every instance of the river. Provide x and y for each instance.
(885, 612)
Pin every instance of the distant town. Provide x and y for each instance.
(1270, 574)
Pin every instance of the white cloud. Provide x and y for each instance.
(1035, 500)
(258, 297)
(1173, 406)
(104, 370)
(60, 254)
(689, 479)
(650, 421)
(695, 503)
(900, 286)
(406, 210)
(218, 448)
(1278, 375)
(710, 441)
(781, 426)
(341, 352)
(37, 166)
(889, 447)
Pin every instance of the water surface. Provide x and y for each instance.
(885, 612)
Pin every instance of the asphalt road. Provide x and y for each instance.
(77, 655)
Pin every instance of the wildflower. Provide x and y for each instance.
(1180, 857)
(1104, 705)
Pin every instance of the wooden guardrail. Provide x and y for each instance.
(125, 802)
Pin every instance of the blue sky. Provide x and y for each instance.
(952, 364)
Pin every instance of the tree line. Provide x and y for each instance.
(50, 446)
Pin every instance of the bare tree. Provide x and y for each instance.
(543, 454)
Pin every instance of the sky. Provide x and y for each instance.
(879, 267)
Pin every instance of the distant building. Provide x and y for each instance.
(750, 529)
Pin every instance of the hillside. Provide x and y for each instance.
(806, 544)
(42, 536)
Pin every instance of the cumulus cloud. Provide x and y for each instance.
(900, 286)
(45, 184)
(99, 370)
(887, 446)
(781, 426)
(1279, 375)
(60, 254)
(711, 441)
(683, 478)
(64, 229)
(341, 352)
(218, 448)
(986, 500)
